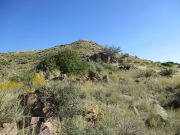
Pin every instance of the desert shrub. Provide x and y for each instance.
(146, 73)
(10, 109)
(110, 67)
(74, 126)
(111, 50)
(70, 62)
(130, 128)
(106, 97)
(48, 64)
(10, 85)
(23, 77)
(95, 66)
(67, 99)
(167, 64)
(38, 79)
(67, 61)
(167, 72)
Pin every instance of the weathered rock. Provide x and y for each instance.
(48, 110)
(94, 76)
(28, 99)
(34, 120)
(9, 129)
(82, 79)
(160, 111)
(124, 66)
(91, 115)
(51, 127)
(36, 109)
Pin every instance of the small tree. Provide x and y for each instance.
(111, 50)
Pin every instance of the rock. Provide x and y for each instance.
(104, 57)
(9, 129)
(178, 86)
(51, 127)
(82, 79)
(91, 115)
(160, 111)
(94, 76)
(63, 77)
(34, 120)
(124, 66)
(48, 110)
(58, 78)
(45, 132)
(36, 109)
(28, 99)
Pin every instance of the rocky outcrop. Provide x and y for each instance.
(42, 115)
(104, 57)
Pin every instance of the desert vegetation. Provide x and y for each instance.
(87, 89)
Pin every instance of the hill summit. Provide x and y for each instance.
(86, 88)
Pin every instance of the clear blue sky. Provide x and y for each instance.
(149, 29)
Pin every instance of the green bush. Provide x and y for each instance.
(67, 61)
(48, 64)
(10, 108)
(96, 67)
(167, 72)
(146, 73)
(67, 99)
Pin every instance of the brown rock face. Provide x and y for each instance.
(104, 57)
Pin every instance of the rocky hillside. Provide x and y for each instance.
(84, 88)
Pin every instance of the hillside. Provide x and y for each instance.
(84, 88)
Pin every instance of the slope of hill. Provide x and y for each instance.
(103, 92)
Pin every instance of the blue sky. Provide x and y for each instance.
(149, 29)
